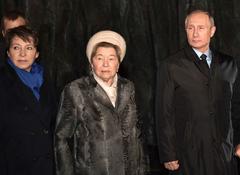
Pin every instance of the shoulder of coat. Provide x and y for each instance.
(222, 57)
(81, 83)
(123, 80)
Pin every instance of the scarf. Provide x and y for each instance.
(32, 79)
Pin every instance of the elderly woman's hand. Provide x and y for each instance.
(173, 165)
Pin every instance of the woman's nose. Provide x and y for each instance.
(105, 62)
(22, 52)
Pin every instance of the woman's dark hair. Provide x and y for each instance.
(106, 44)
(23, 32)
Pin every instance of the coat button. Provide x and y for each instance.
(45, 131)
(48, 156)
(211, 113)
(35, 159)
(25, 108)
(32, 133)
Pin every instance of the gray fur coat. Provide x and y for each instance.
(94, 138)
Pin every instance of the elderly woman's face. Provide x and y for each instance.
(105, 64)
(22, 54)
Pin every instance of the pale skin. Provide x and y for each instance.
(237, 151)
(9, 24)
(22, 53)
(105, 64)
(199, 29)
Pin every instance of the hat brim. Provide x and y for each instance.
(109, 37)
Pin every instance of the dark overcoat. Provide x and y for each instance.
(193, 113)
(3, 52)
(94, 138)
(26, 127)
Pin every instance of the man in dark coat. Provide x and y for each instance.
(193, 104)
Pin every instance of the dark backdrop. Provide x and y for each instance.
(153, 29)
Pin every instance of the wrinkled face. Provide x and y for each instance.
(9, 24)
(199, 31)
(22, 54)
(105, 64)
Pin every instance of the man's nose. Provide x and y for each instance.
(195, 32)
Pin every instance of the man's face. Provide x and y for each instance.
(9, 24)
(199, 31)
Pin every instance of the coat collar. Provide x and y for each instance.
(25, 94)
(192, 56)
(123, 94)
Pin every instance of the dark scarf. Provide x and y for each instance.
(32, 79)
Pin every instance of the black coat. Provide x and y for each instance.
(93, 137)
(26, 127)
(193, 112)
(3, 52)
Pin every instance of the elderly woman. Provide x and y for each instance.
(26, 109)
(96, 132)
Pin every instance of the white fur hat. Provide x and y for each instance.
(109, 37)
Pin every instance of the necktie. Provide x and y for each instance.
(204, 64)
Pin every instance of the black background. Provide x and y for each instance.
(153, 29)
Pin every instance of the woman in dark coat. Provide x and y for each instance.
(27, 109)
(96, 130)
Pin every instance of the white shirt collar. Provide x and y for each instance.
(208, 53)
(102, 83)
(111, 91)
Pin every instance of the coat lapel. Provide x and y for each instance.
(215, 61)
(123, 95)
(193, 56)
(102, 97)
(99, 94)
(46, 102)
(25, 94)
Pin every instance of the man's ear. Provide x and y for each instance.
(213, 30)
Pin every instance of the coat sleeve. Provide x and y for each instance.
(136, 158)
(3, 165)
(64, 132)
(164, 114)
(236, 109)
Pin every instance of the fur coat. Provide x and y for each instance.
(93, 137)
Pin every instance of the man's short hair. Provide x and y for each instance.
(12, 15)
(193, 10)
